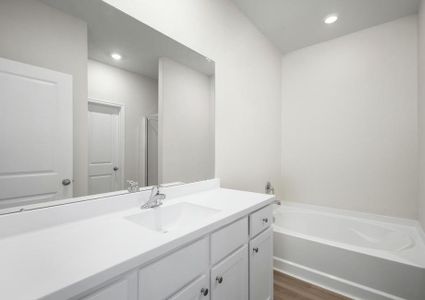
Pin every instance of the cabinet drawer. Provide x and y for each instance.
(228, 239)
(165, 277)
(197, 290)
(260, 220)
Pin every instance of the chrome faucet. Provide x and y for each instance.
(155, 199)
(133, 186)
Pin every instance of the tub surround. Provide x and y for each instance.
(86, 244)
(360, 255)
(360, 125)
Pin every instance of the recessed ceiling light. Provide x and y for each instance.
(330, 19)
(116, 56)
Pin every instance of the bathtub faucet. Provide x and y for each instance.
(277, 202)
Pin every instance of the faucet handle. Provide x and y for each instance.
(133, 186)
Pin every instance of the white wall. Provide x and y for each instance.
(138, 93)
(421, 89)
(349, 129)
(36, 34)
(185, 143)
(247, 126)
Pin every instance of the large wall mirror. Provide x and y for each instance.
(91, 98)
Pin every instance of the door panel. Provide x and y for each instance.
(171, 274)
(197, 290)
(261, 266)
(123, 289)
(229, 279)
(36, 127)
(103, 149)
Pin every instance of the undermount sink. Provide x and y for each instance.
(173, 217)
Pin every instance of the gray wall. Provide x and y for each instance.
(138, 93)
(36, 34)
(349, 121)
(186, 148)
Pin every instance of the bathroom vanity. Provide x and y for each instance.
(204, 242)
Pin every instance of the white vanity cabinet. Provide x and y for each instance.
(231, 263)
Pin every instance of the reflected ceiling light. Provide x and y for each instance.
(116, 56)
(331, 19)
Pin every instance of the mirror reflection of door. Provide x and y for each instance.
(105, 147)
(36, 131)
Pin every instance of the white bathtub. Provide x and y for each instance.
(360, 255)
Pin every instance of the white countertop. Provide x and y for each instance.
(61, 261)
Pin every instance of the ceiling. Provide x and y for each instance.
(110, 30)
(295, 24)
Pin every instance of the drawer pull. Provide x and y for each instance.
(265, 220)
(219, 279)
(255, 250)
(204, 292)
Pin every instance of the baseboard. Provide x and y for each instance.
(335, 284)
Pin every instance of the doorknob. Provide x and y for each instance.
(66, 182)
(204, 292)
(116, 168)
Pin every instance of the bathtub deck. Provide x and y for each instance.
(290, 288)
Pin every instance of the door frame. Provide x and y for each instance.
(145, 145)
(121, 131)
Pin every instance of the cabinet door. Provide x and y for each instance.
(261, 266)
(125, 288)
(229, 278)
(197, 290)
(165, 277)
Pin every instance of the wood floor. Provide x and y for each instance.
(290, 288)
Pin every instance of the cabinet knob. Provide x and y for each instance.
(66, 182)
(204, 292)
(265, 220)
(219, 279)
(255, 250)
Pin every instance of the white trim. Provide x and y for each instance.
(146, 119)
(160, 113)
(121, 129)
(329, 282)
(145, 149)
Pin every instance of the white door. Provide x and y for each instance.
(105, 169)
(229, 279)
(261, 266)
(36, 134)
